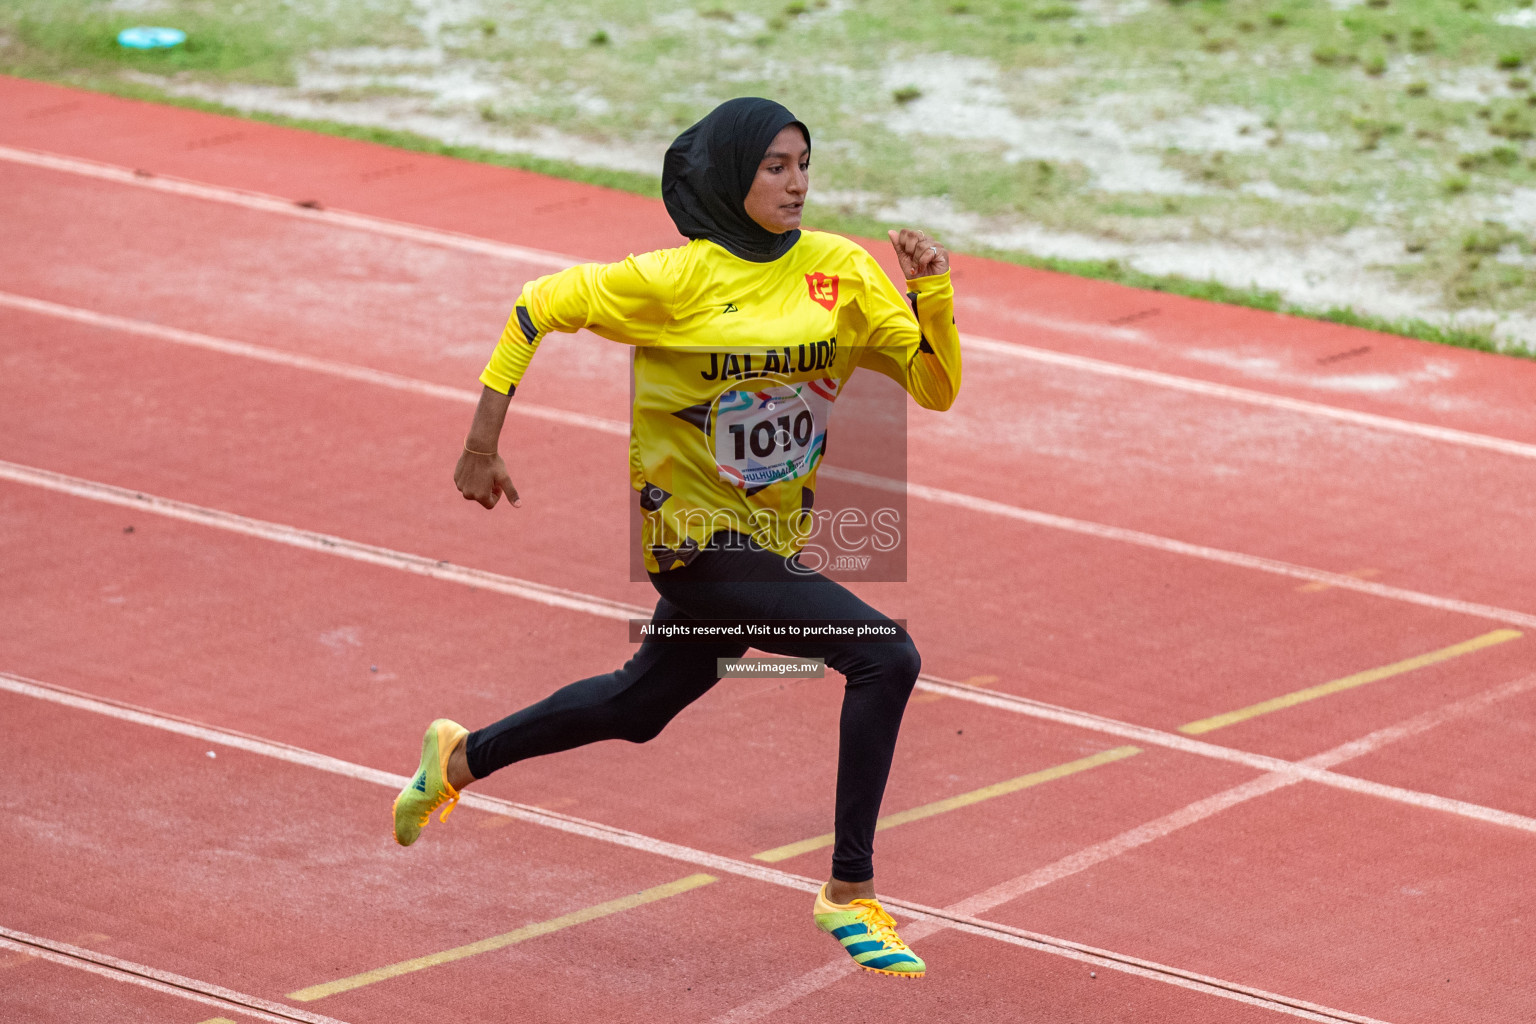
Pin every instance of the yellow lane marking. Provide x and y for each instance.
(1498, 636)
(963, 800)
(531, 931)
(1316, 585)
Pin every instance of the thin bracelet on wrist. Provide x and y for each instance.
(473, 452)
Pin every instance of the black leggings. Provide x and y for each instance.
(636, 702)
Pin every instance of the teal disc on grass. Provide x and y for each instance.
(144, 37)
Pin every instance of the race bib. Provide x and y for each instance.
(772, 434)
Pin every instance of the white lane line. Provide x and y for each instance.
(1298, 770)
(795, 989)
(1146, 968)
(1005, 892)
(821, 977)
(308, 540)
(157, 980)
(295, 360)
(1202, 809)
(937, 495)
(335, 766)
(286, 207)
(558, 597)
(1089, 856)
(1178, 547)
(1066, 948)
(557, 261)
(1210, 389)
(829, 973)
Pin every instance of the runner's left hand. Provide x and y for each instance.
(920, 255)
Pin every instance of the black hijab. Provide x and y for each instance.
(708, 172)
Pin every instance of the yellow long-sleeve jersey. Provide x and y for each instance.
(738, 366)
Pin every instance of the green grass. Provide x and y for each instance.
(247, 41)
(88, 43)
(1347, 114)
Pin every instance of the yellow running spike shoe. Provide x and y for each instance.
(429, 788)
(868, 933)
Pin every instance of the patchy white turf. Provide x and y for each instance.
(1122, 141)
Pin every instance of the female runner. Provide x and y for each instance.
(751, 319)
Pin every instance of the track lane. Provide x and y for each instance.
(806, 734)
(1450, 903)
(1173, 982)
(932, 687)
(305, 884)
(323, 640)
(417, 564)
(141, 420)
(834, 477)
(1161, 331)
(1085, 443)
(1487, 754)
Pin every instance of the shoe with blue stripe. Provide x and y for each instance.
(429, 788)
(868, 933)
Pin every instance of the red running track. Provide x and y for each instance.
(1255, 436)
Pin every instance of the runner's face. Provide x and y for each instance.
(778, 192)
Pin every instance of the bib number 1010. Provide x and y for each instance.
(771, 433)
(767, 437)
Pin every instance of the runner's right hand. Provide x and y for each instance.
(484, 478)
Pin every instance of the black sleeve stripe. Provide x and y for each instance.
(530, 332)
(922, 339)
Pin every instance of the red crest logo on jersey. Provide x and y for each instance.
(823, 288)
